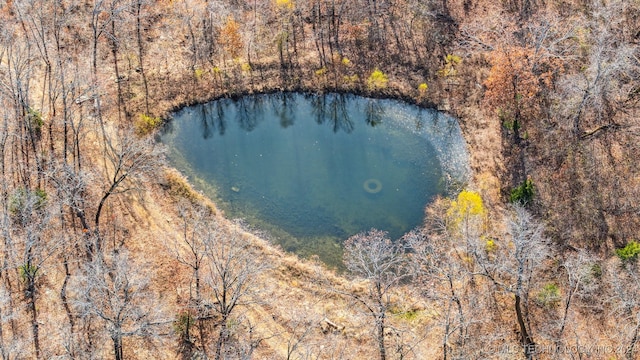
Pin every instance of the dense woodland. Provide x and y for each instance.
(109, 253)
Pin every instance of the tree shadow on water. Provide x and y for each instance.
(283, 106)
(249, 111)
(374, 112)
(332, 110)
(212, 117)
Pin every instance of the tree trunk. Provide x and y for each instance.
(63, 294)
(380, 320)
(629, 353)
(381, 348)
(221, 337)
(199, 310)
(525, 338)
(31, 295)
(140, 56)
(94, 63)
(114, 51)
(103, 200)
(117, 347)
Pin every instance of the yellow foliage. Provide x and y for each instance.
(453, 59)
(198, 73)
(490, 245)
(351, 79)
(284, 4)
(422, 89)
(346, 61)
(468, 204)
(582, 36)
(146, 124)
(377, 80)
(321, 71)
(467, 259)
(450, 63)
(245, 67)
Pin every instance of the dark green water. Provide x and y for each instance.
(297, 166)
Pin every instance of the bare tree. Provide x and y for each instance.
(301, 327)
(198, 230)
(233, 269)
(243, 338)
(375, 258)
(125, 160)
(624, 305)
(439, 254)
(582, 279)
(514, 265)
(13, 347)
(139, 5)
(590, 99)
(442, 277)
(9, 251)
(592, 104)
(116, 292)
(31, 216)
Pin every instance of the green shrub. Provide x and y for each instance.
(407, 315)
(183, 324)
(22, 198)
(507, 119)
(27, 272)
(629, 252)
(41, 195)
(35, 121)
(523, 193)
(549, 295)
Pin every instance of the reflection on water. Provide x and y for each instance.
(297, 165)
(332, 109)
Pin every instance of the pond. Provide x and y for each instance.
(312, 170)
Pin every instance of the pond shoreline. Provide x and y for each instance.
(389, 140)
(427, 105)
(482, 133)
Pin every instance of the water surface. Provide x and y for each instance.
(312, 170)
